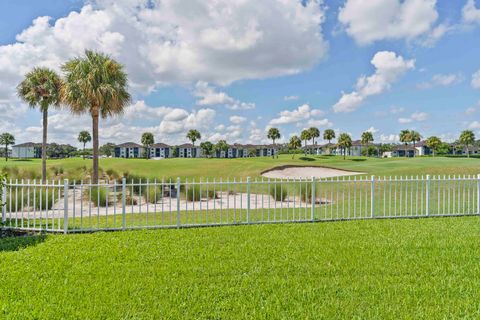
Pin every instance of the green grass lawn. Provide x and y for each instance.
(384, 269)
(242, 168)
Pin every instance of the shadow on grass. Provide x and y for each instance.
(306, 159)
(13, 243)
(358, 160)
(20, 160)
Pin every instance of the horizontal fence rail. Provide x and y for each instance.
(78, 206)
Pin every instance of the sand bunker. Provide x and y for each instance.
(306, 172)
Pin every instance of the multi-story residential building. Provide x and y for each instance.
(129, 150)
(161, 150)
(188, 150)
(409, 150)
(27, 150)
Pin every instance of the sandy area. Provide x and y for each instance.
(307, 172)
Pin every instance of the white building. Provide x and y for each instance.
(129, 150)
(27, 150)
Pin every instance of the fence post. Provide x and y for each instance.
(372, 198)
(478, 194)
(427, 196)
(124, 203)
(65, 206)
(313, 200)
(4, 202)
(178, 202)
(248, 200)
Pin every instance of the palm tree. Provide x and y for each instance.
(41, 89)
(433, 143)
(84, 137)
(7, 139)
(305, 136)
(344, 142)
(147, 141)
(415, 137)
(273, 134)
(367, 138)
(314, 133)
(193, 135)
(97, 85)
(294, 144)
(467, 138)
(405, 137)
(329, 135)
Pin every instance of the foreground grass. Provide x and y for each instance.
(242, 168)
(426, 268)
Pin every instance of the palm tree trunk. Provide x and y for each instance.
(84, 151)
(44, 145)
(95, 143)
(6, 152)
(414, 150)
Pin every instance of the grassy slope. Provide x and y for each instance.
(394, 269)
(195, 168)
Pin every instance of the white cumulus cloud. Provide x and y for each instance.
(299, 115)
(476, 80)
(470, 13)
(374, 20)
(443, 80)
(388, 68)
(209, 96)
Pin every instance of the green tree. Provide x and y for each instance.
(467, 138)
(7, 139)
(434, 143)
(329, 135)
(147, 141)
(294, 144)
(367, 138)
(305, 136)
(405, 137)
(415, 137)
(84, 137)
(98, 85)
(221, 145)
(207, 148)
(314, 133)
(41, 89)
(344, 142)
(193, 135)
(108, 149)
(273, 134)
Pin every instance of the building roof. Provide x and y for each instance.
(27, 144)
(129, 145)
(186, 145)
(160, 145)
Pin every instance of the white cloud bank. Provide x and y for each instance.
(209, 96)
(470, 13)
(389, 67)
(176, 41)
(375, 20)
(476, 80)
(300, 116)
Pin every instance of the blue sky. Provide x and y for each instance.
(234, 69)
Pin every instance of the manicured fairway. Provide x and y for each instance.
(224, 168)
(385, 269)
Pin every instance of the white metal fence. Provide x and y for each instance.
(63, 206)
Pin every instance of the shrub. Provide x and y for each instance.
(306, 192)
(278, 192)
(193, 194)
(153, 193)
(99, 196)
(31, 199)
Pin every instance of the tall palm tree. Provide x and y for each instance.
(344, 142)
(415, 137)
(367, 138)
(220, 146)
(294, 144)
(273, 134)
(147, 141)
(305, 136)
(97, 85)
(405, 137)
(7, 139)
(41, 89)
(84, 137)
(467, 138)
(433, 143)
(329, 135)
(193, 135)
(314, 133)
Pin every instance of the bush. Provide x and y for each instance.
(193, 194)
(278, 192)
(306, 192)
(31, 199)
(153, 193)
(99, 196)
